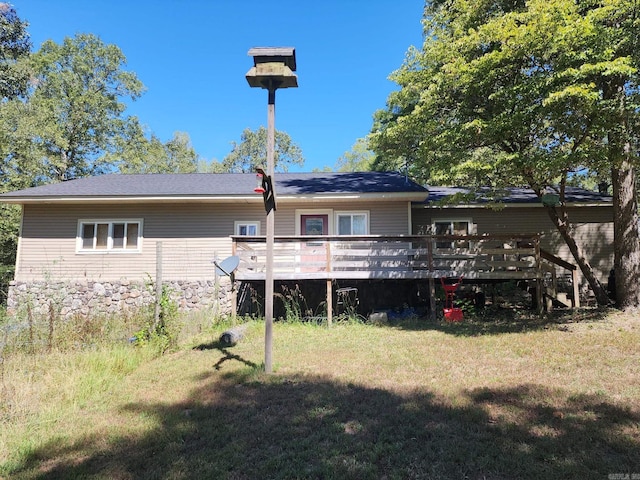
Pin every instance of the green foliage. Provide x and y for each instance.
(525, 84)
(359, 159)
(251, 152)
(521, 94)
(136, 153)
(75, 104)
(14, 46)
(161, 333)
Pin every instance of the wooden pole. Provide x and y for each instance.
(156, 316)
(329, 286)
(268, 290)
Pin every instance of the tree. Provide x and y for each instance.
(525, 94)
(15, 45)
(138, 154)
(359, 159)
(251, 152)
(75, 105)
(65, 122)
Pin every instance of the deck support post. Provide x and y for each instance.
(234, 290)
(576, 288)
(432, 298)
(539, 279)
(329, 302)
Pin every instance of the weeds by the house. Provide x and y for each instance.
(294, 303)
(297, 310)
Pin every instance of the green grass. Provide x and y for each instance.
(515, 398)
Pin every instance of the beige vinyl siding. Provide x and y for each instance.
(389, 219)
(593, 228)
(385, 218)
(192, 235)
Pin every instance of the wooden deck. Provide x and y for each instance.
(474, 257)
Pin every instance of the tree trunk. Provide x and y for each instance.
(564, 227)
(626, 236)
(626, 233)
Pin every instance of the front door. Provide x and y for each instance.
(313, 255)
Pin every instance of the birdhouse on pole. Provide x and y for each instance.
(273, 68)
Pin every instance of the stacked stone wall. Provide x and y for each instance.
(99, 298)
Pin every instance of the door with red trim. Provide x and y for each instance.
(313, 255)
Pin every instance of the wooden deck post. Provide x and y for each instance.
(576, 288)
(539, 289)
(432, 297)
(432, 283)
(234, 291)
(329, 302)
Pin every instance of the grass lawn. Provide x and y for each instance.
(518, 399)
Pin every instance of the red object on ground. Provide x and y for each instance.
(451, 313)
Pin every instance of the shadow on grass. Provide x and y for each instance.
(255, 427)
(504, 320)
(227, 355)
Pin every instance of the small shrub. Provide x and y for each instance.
(161, 333)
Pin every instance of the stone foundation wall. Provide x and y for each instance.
(97, 298)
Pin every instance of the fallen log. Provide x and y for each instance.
(233, 335)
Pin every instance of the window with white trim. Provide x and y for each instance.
(452, 227)
(109, 236)
(352, 223)
(250, 229)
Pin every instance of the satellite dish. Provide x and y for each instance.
(227, 266)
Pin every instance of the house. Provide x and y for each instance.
(520, 210)
(93, 243)
(98, 244)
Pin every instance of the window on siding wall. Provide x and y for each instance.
(109, 236)
(352, 223)
(452, 227)
(250, 229)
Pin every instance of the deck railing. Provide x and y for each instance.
(391, 257)
(474, 257)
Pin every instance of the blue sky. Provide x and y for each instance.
(192, 57)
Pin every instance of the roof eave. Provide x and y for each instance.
(254, 198)
(371, 197)
(512, 205)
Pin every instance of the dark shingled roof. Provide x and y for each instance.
(514, 195)
(223, 184)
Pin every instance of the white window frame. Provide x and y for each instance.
(249, 223)
(451, 221)
(351, 213)
(109, 247)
